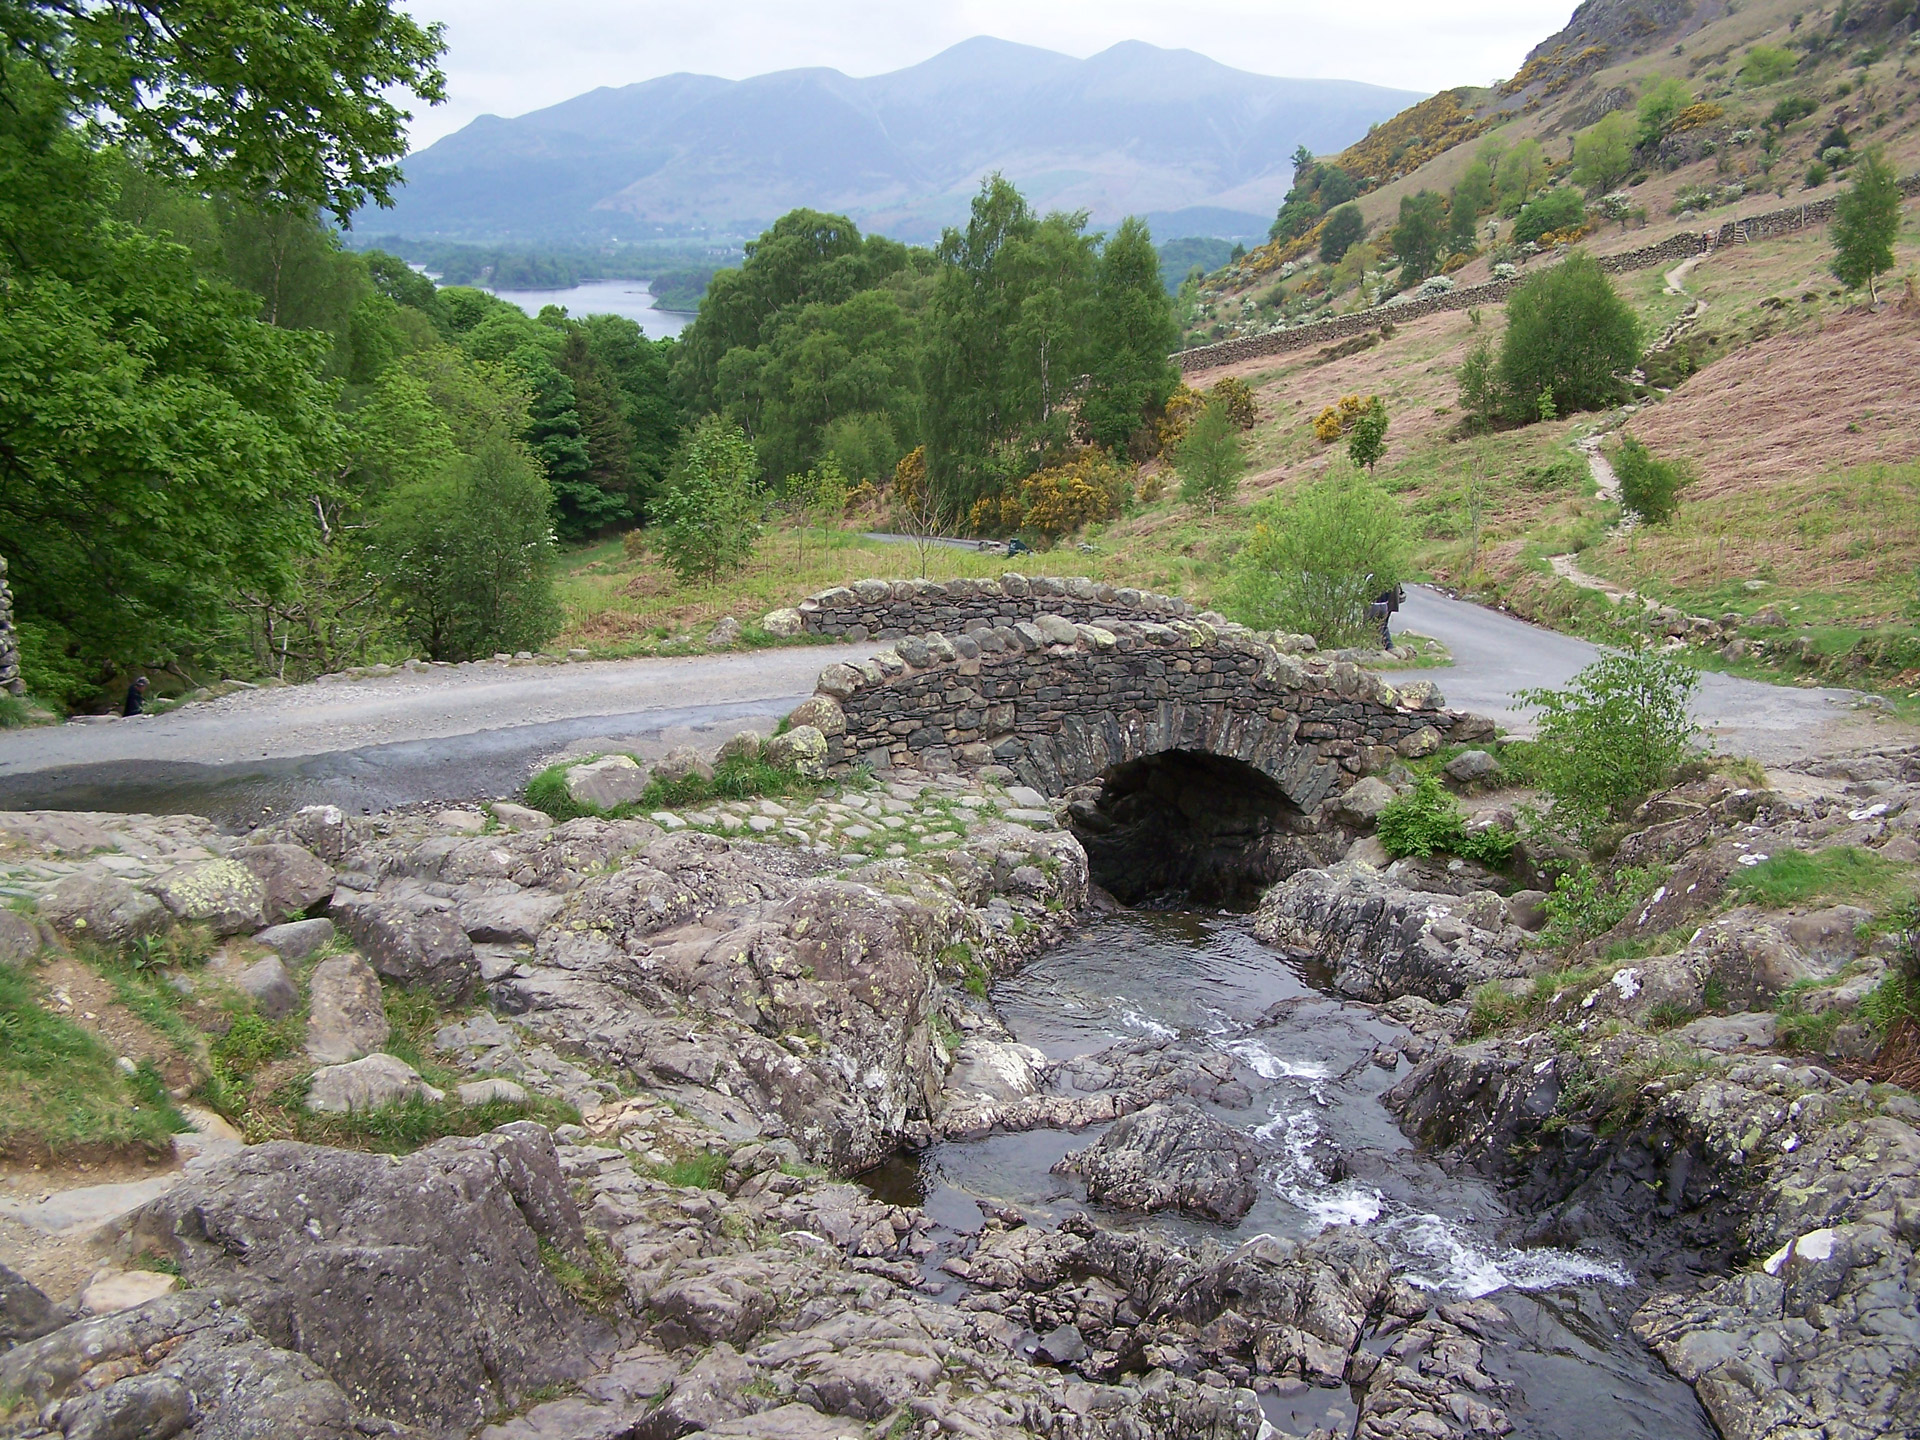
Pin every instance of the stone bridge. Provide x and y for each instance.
(1193, 754)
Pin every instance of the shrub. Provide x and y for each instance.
(708, 516)
(1368, 441)
(1766, 65)
(1316, 559)
(1429, 821)
(1817, 173)
(1342, 231)
(1555, 210)
(1235, 397)
(1337, 419)
(1568, 332)
(1649, 488)
(1061, 498)
(1794, 107)
(1586, 903)
(1616, 732)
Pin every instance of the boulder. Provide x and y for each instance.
(1752, 959)
(725, 633)
(822, 712)
(408, 946)
(802, 750)
(221, 894)
(1382, 940)
(1171, 1156)
(271, 989)
(1362, 802)
(1830, 934)
(418, 1280)
(345, 1018)
(784, 624)
(117, 1290)
(1421, 742)
(742, 745)
(91, 904)
(521, 817)
(1528, 909)
(324, 830)
(682, 762)
(482, 1092)
(996, 1070)
(151, 1372)
(607, 783)
(1472, 767)
(25, 1313)
(295, 879)
(367, 1084)
(297, 939)
(1420, 695)
(19, 938)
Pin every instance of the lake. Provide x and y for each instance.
(630, 298)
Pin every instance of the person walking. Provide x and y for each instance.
(1385, 605)
(136, 697)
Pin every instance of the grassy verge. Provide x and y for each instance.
(60, 1088)
(736, 778)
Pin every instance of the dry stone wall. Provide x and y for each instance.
(1059, 703)
(10, 679)
(1670, 251)
(889, 609)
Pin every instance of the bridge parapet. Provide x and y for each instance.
(890, 609)
(1059, 702)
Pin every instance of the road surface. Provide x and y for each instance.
(477, 732)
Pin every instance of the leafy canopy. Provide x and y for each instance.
(1568, 334)
(708, 518)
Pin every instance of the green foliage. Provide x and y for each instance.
(735, 778)
(709, 515)
(598, 1284)
(252, 1040)
(1210, 459)
(1616, 732)
(1602, 156)
(1520, 171)
(1317, 190)
(1570, 333)
(405, 1125)
(295, 104)
(1660, 104)
(1131, 332)
(1428, 821)
(467, 555)
(1766, 65)
(1479, 376)
(1367, 441)
(1418, 236)
(1317, 557)
(1649, 488)
(1866, 223)
(1789, 110)
(695, 1170)
(1550, 211)
(1472, 197)
(1586, 903)
(1344, 229)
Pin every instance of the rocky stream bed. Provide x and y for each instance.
(890, 1124)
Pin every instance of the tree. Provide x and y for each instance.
(708, 517)
(1132, 331)
(1766, 64)
(1866, 222)
(1416, 239)
(1210, 459)
(467, 555)
(1570, 334)
(1603, 153)
(1649, 488)
(1367, 441)
(1472, 198)
(1479, 377)
(1316, 559)
(1660, 103)
(293, 104)
(1522, 170)
(1343, 230)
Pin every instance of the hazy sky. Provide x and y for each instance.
(508, 57)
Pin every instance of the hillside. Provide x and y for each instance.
(1199, 147)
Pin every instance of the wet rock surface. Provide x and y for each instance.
(1170, 1157)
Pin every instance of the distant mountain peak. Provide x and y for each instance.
(1133, 129)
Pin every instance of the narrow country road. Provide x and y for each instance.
(475, 733)
(1496, 655)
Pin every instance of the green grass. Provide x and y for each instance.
(61, 1088)
(695, 1170)
(402, 1127)
(596, 1284)
(1494, 1007)
(1844, 874)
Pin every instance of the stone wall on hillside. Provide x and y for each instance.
(889, 609)
(1672, 250)
(1061, 703)
(10, 680)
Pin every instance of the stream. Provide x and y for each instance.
(1334, 1156)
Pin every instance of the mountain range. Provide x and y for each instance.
(1196, 146)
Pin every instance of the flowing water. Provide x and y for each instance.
(1334, 1156)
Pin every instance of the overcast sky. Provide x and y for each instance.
(507, 57)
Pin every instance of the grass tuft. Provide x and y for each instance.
(1845, 874)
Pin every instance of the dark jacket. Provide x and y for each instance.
(136, 699)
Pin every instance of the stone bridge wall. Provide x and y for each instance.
(889, 609)
(10, 680)
(1670, 251)
(1059, 703)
